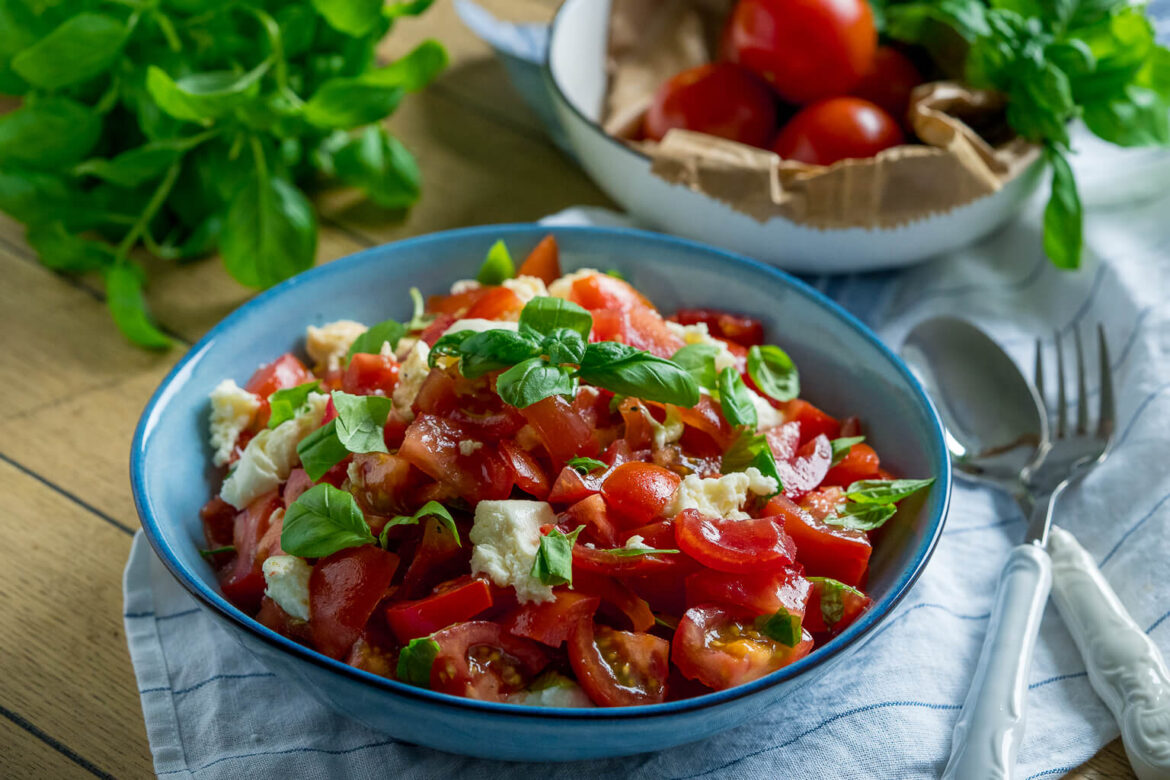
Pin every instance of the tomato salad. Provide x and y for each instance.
(540, 490)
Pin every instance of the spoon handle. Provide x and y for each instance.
(1125, 667)
(991, 723)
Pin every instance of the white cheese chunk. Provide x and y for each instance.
(411, 376)
(636, 542)
(506, 535)
(479, 326)
(469, 446)
(527, 287)
(232, 410)
(700, 334)
(570, 694)
(669, 430)
(286, 580)
(328, 344)
(563, 287)
(271, 455)
(721, 496)
(464, 285)
(767, 416)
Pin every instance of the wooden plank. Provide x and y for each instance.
(24, 755)
(66, 669)
(1109, 764)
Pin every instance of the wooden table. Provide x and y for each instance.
(74, 390)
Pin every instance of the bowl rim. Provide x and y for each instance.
(211, 599)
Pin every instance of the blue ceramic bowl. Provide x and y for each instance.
(844, 369)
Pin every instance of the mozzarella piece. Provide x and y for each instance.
(479, 326)
(669, 430)
(569, 694)
(506, 535)
(411, 376)
(700, 334)
(636, 542)
(469, 446)
(527, 287)
(232, 410)
(464, 285)
(271, 455)
(721, 496)
(286, 580)
(328, 344)
(767, 416)
(563, 287)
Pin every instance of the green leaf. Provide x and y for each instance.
(429, 509)
(401, 8)
(533, 380)
(491, 350)
(138, 166)
(699, 361)
(627, 371)
(49, 133)
(321, 450)
(270, 233)
(773, 372)
(832, 605)
(553, 564)
(1063, 216)
(734, 400)
(352, 17)
(448, 345)
(20, 28)
(416, 660)
(545, 315)
(862, 517)
(286, 402)
(415, 70)
(128, 307)
(497, 266)
(564, 346)
(751, 450)
(83, 47)
(783, 626)
(33, 197)
(378, 163)
(346, 103)
(322, 521)
(634, 552)
(419, 319)
(1137, 117)
(585, 465)
(885, 491)
(63, 251)
(298, 27)
(385, 332)
(217, 550)
(361, 420)
(842, 446)
(201, 97)
(1155, 73)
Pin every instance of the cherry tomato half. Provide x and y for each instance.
(344, 588)
(721, 647)
(638, 492)
(460, 600)
(824, 550)
(837, 129)
(763, 593)
(543, 262)
(718, 99)
(551, 622)
(752, 544)
(480, 660)
(619, 668)
(889, 81)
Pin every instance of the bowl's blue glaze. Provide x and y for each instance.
(844, 368)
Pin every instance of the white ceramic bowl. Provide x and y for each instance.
(577, 82)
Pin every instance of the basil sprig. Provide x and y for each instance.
(429, 509)
(634, 552)
(416, 660)
(285, 403)
(782, 626)
(387, 332)
(735, 401)
(553, 564)
(585, 465)
(751, 449)
(773, 372)
(842, 446)
(497, 266)
(358, 428)
(699, 361)
(832, 598)
(323, 520)
(872, 502)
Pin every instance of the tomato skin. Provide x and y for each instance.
(806, 49)
(784, 441)
(616, 565)
(642, 659)
(813, 422)
(436, 329)
(860, 463)
(754, 544)
(639, 492)
(852, 605)
(242, 581)
(219, 519)
(837, 129)
(562, 431)
(382, 483)
(718, 99)
(551, 622)
(498, 303)
(763, 593)
(527, 472)
(889, 81)
(431, 445)
(824, 550)
(286, 371)
(700, 642)
(739, 328)
(344, 588)
(592, 513)
(823, 501)
(460, 601)
(543, 261)
(480, 660)
(370, 375)
(621, 313)
(807, 469)
(615, 594)
(437, 557)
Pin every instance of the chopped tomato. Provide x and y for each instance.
(527, 472)
(740, 328)
(835, 613)
(861, 462)
(497, 303)
(824, 550)
(822, 502)
(705, 416)
(623, 314)
(721, 647)
(784, 440)
(433, 332)
(616, 564)
(551, 622)
(382, 483)
(604, 292)
(273, 617)
(480, 660)
(431, 444)
(219, 518)
(752, 544)
(763, 593)
(571, 487)
(617, 595)
(371, 657)
(243, 579)
(456, 602)
(370, 375)
(561, 429)
(806, 471)
(438, 557)
(468, 402)
(813, 422)
(592, 513)
(286, 371)
(344, 588)
(543, 261)
(298, 482)
(619, 668)
(639, 492)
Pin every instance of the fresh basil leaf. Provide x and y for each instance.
(298, 27)
(585, 465)
(321, 450)
(361, 421)
(553, 564)
(385, 332)
(51, 133)
(1063, 216)
(773, 372)
(138, 166)
(128, 307)
(217, 550)
(547, 315)
(699, 361)
(201, 97)
(885, 491)
(83, 47)
(33, 197)
(832, 604)
(842, 446)
(286, 402)
(415, 70)
(782, 626)
(497, 266)
(406, 8)
(20, 28)
(633, 552)
(492, 350)
(419, 319)
(564, 346)
(751, 450)
(355, 18)
(448, 345)
(533, 380)
(378, 163)
(1136, 117)
(616, 274)
(862, 517)
(63, 251)
(270, 233)
(429, 509)
(322, 521)
(346, 103)
(622, 369)
(416, 660)
(734, 400)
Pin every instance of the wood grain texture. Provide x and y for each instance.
(68, 701)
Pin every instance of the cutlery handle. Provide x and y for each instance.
(1126, 669)
(991, 724)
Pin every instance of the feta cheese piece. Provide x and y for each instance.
(464, 285)
(569, 694)
(232, 410)
(700, 334)
(328, 344)
(636, 542)
(527, 287)
(411, 376)
(563, 287)
(271, 455)
(669, 430)
(286, 580)
(479, 326)
(506, 535)
(721, 496)
(767, 416)
(469, 446)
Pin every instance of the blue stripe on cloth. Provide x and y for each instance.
(1060, 770)
(1057, 678)
(1157, 622)
(1138, 413)
(326, 751)
(198, 685)
(1134, 527)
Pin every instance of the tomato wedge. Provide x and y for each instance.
(824, 550)
(807, 470)
(562, 431)
(617, 595)
(740, 328)
(551, 622)
(455, 602)
(639, 492)
(286, 371)
(834, 613)
(753, 544)
(344, 588)
(543, 261)
(861, 462)
(243, 579)
(527, 472)
(619, 668)
(431, 444)
(765, 593)
(381, 483)
(370, 375)
(721, 647)
(480, 660)
(438, 557)
(592, 513)
(813, 422)
(617, 565)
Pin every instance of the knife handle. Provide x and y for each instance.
(991, 724)
(1125, 667)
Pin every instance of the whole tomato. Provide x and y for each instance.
(837, 129)
(806, 49)
(889, 82)
(717, 99)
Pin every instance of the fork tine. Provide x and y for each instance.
(1082, 389)
(1106, 423)
(1061, 396)
(1038, 379)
